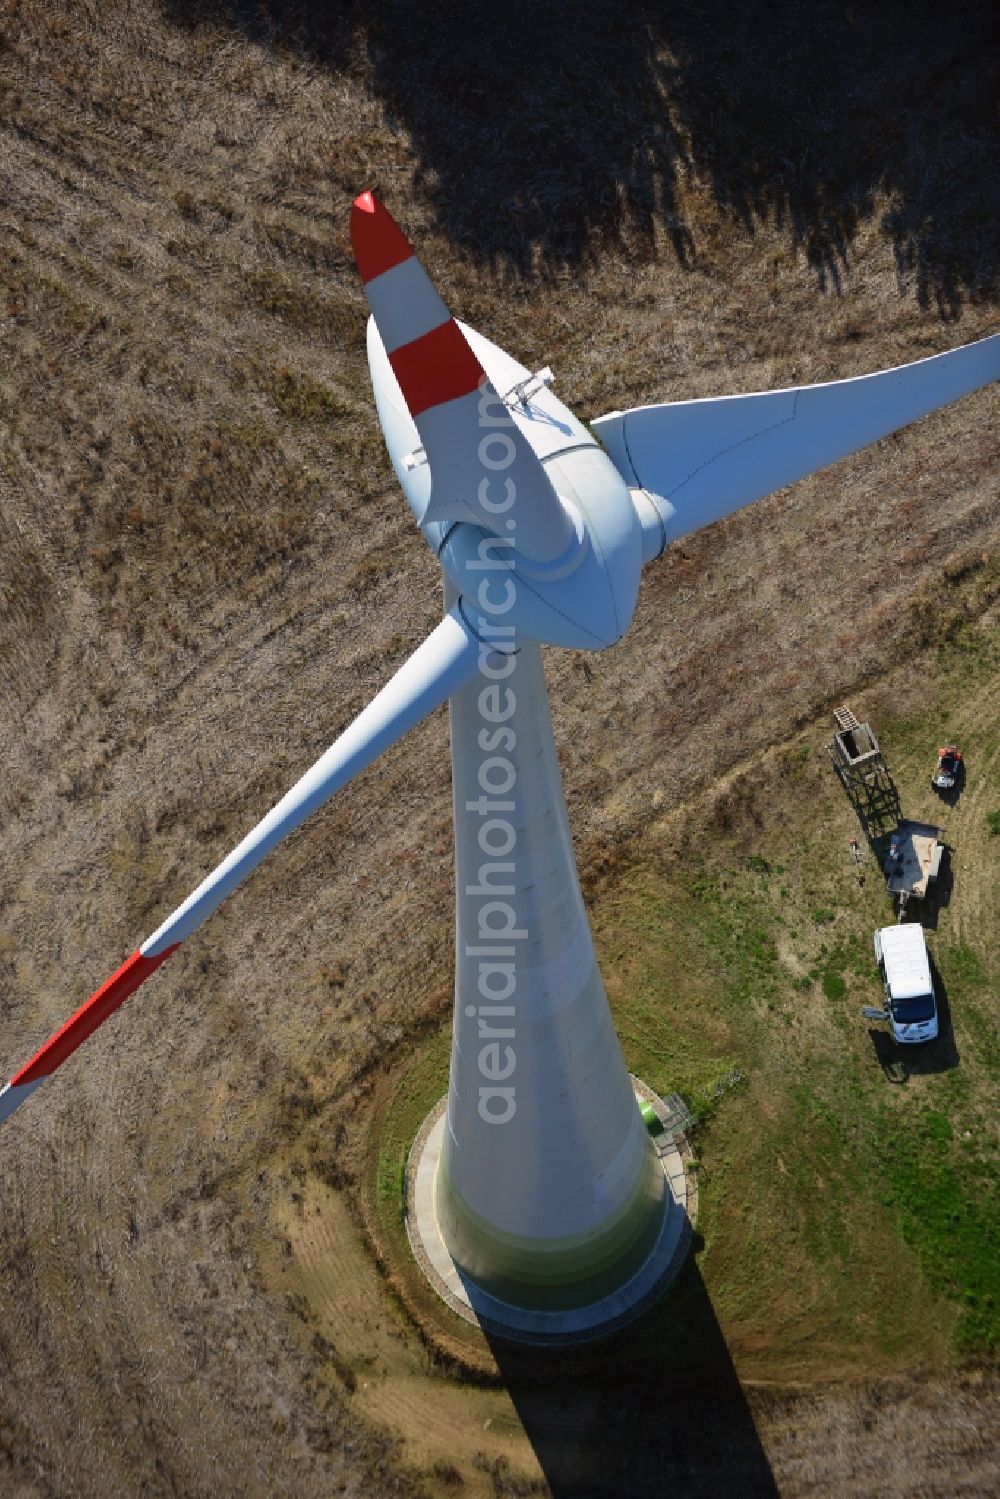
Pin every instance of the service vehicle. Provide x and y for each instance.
(910, 1006)
(949, 768)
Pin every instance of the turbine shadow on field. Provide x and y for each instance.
(657, 1409)
(542, 133)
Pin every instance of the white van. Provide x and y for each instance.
(910, 1005)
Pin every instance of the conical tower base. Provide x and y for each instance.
(620, 1297)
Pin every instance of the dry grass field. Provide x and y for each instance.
(206, 569)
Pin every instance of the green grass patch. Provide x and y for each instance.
(390, 1182)
(833, 985)
(675, 964)
(947, 1214)
(963, 967)
(807, 1204)
(416, 1093)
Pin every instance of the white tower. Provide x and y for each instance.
(549, 1194)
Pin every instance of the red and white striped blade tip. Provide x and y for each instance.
(430, 356)
(379, 243)
(92, 1013)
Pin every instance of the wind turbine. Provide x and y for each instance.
(545, 1193)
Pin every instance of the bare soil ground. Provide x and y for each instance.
(206, 570)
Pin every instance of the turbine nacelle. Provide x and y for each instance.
(529, 517)
(583, 597)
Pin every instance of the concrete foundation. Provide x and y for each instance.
(540, 1325)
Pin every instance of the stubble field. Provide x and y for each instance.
(206, 570)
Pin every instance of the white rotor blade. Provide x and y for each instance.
(708, 458)
(446, 661)
(466, 430)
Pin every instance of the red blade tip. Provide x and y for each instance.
(378, 241)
